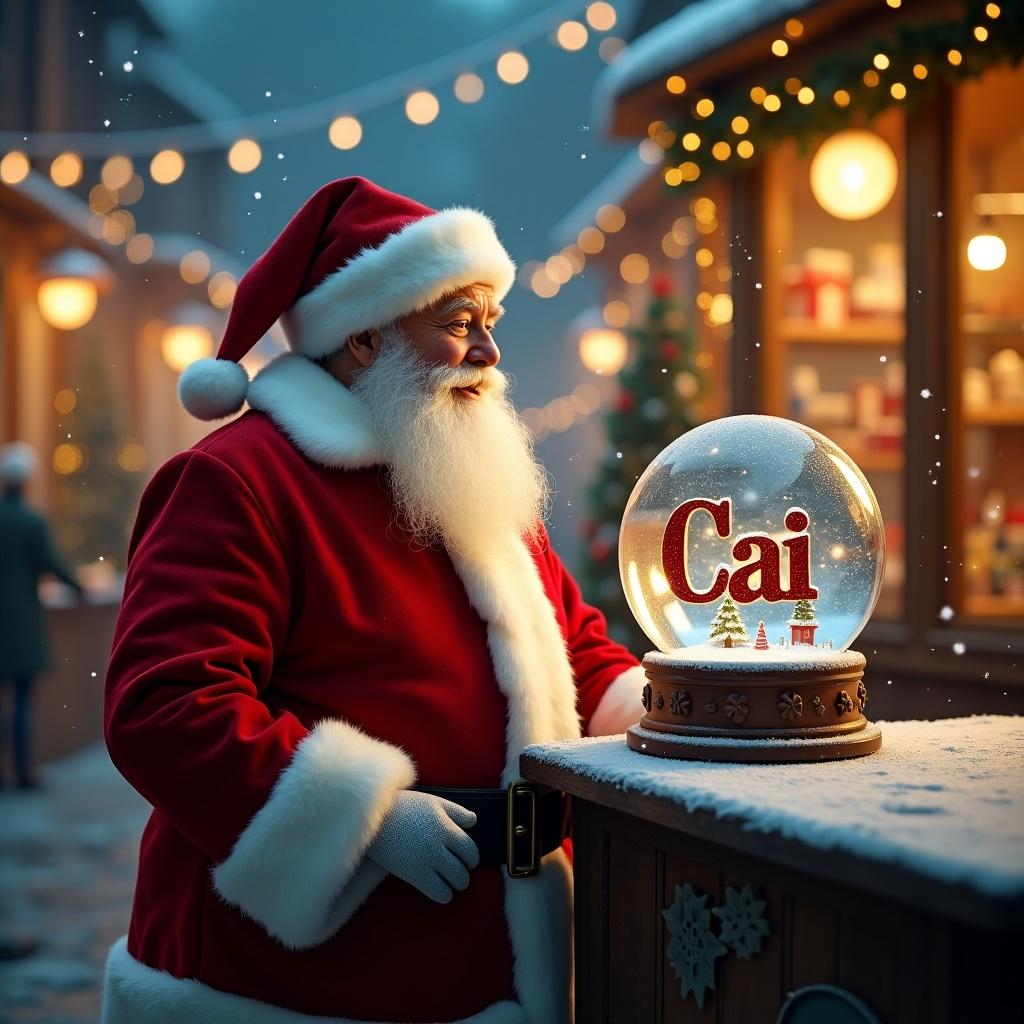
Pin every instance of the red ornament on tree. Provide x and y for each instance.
(761, 643)
(669, 351)
(661, 285)
(625, 402)
(600, 550)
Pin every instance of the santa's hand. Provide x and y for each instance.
(423, 841)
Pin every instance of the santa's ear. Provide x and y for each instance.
(363, 346)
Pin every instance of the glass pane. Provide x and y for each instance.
(834, 303)
(989, 196)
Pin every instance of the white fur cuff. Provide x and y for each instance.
(620, 706)
(288, 868)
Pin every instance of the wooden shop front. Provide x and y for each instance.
(890, 329)
(885, 889)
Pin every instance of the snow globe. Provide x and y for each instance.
(751, 554)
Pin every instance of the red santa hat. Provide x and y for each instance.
(356, 256)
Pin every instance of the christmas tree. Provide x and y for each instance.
(727, 629)
(657, 389)
(761, 643)
(803, 612)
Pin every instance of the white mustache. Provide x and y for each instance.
(446, 378)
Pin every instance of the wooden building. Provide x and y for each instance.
(892, 322)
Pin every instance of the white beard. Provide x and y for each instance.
(462, 469)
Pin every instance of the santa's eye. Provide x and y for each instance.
(463, 324)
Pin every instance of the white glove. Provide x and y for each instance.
(423, 841)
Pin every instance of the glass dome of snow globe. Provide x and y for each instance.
(751, 554)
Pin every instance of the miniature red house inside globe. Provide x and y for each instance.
(751, 554)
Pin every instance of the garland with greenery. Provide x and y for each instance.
(899, 70)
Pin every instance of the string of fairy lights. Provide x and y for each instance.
(121, 183)
(718, 134)
(723, 132)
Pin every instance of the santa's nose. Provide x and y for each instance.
(484, 352)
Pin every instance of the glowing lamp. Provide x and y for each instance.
(603, 349)
(854, 174)
(986, 252)
(751, 554)
(69, 289)
(187, 337)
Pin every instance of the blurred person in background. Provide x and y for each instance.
(27, 552)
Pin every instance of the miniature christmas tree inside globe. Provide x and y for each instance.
(751, 554)
(752, 519)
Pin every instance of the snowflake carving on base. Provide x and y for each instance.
(744, 927)
(693, 948)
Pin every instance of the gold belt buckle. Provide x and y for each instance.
(517, 828)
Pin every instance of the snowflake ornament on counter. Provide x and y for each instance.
(693, 948)
(744, 927)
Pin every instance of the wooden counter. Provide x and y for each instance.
(897, 878)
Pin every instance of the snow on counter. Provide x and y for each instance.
(945, 798)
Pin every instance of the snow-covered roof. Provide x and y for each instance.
(697, 31)
(938, 798)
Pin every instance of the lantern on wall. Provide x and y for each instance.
(603, 349)
(751, 554)
(69, 288)
(188, 335)
(854, 174)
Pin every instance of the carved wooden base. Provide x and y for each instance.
(754, 713)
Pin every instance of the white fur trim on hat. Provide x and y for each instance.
(407, 272)
(211, 389)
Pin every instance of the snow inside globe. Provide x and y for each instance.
(752, 534)
(751, 554)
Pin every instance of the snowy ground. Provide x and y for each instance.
(67, 868)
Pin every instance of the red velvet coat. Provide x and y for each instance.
(283, 663)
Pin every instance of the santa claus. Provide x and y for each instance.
(342, 621)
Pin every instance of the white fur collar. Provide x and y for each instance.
(316, 412)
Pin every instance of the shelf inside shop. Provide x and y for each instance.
(993, 606)
(853, 332)
(998, 414)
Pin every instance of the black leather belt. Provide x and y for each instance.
(514, 826)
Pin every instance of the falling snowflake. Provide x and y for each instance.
(743, 925)
(945, 613)
(693, 948)
(959, 647)
(128, 66)
(926, 393)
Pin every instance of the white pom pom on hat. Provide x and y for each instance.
(211, 389)
(354, 257)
